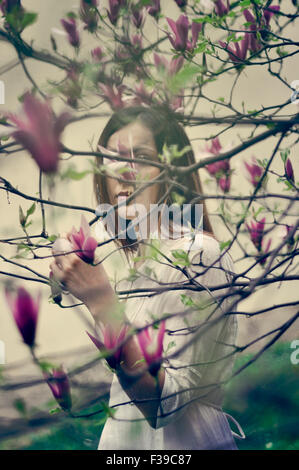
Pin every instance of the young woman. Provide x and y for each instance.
(178, 407)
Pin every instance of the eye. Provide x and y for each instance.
(143, 156)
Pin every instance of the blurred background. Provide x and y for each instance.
(61, 333)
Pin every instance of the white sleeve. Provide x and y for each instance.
(196, 344)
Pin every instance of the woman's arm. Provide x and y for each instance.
(91, 285)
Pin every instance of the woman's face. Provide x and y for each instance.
(133, 141)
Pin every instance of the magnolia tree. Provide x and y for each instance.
(144, 57)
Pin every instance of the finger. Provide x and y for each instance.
(57, 273)
(68, 261)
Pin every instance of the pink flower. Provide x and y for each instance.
(97, 54)
(151, 345)
(138, 16)
(220, 8)
(265, 250)
(70, 27)
(114, 9)
(289, 171)
(177, 102)
(83, 241)
(180, 29)
(7, 6)
(254, 44)
(88, 14)
(290, 240)
(237, 53)
(41, 132)
(171, 67)
(256, 232)
(111, 342)
(181, 3)
(255, 171)
(25, 311)
(113, 95)
(60, 387)
(220, 170)
(269, 12)
(154, 10)
(142, 95)
(224, 183)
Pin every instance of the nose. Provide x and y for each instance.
(129, 175)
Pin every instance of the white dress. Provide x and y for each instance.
(191, 398)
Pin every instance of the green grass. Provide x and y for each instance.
(263, 399)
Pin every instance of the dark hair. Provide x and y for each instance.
(166, 130)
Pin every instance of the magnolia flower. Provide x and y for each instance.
(180, 29)
(289, 172)
(70, 27)
(138, 16)
(114, 8)
(25, 311)
(88, 14)
(83, 241)
(289, 239)
(254, 44)
(220, 8)
(7, 6)
(113, 95)
(97, 54)
(224, 183)
(181, 3)
(255, 171)
(154, 9)
(171, 67)
(142, 96)
(111, 343)
(151, 345)
(269, 12)
(40, 133)
(256, 232)
(60, 387)
(176, 102)
(220, 170)
(237, 53)
(264, 250)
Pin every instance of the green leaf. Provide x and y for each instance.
(223, 245)
(46, 366)
(73, 174)
(170, 345)
(186, 300)
(55, 410)
(31, 210)
(28, 19)
(20, 406)
(110, 412)
(181, 79)
(181, 256)
(52, 238)
(284, 155)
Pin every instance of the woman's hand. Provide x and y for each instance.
(88, 283)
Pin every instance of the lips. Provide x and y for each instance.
(123, 194)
